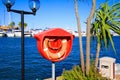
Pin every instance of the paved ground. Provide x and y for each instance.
(117, 76)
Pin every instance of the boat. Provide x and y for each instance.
(75, 33)
(83, 33)
(10, 33)
(2, 34)
(17, 33)
(35, 31)
(27, 34)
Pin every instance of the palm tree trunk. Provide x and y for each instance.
(80, 36)
(88, 36)
(97, 55)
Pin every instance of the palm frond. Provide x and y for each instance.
(107, 18)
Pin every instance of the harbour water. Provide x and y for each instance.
(36, 67)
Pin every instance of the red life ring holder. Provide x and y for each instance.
(58, 55)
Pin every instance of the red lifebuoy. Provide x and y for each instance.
(61, 49)
(54, 44)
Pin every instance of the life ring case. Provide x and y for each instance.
(54, 33)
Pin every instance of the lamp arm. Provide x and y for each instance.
(21, 11)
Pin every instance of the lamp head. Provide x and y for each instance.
(8, 3)
(34, 5)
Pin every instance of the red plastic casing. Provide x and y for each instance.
(54, 33)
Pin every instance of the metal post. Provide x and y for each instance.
(53, 71)
(22, 39)
(22, 46)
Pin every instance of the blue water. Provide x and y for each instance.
(36, 67)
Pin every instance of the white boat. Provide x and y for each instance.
(33, 32)
(27, 34)
(75, 33)
(17, 33)
(10, 33)
(2, 34)
(83, 33)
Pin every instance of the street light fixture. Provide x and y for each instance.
(34, 6)
(8, 3)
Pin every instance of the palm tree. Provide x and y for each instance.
(107, 18)
(88, 36)
(80, 36)
(11, 24)
(25, 25)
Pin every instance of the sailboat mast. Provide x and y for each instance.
(9, 18)
(4, 16)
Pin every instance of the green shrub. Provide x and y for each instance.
(76, 74)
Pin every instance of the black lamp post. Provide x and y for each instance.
(34, 6)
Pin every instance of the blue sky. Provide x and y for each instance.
(52, 13)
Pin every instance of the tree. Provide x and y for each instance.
(107, 18)
(88, 36)
(11, 24)
(25, 25)
(80, 35)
